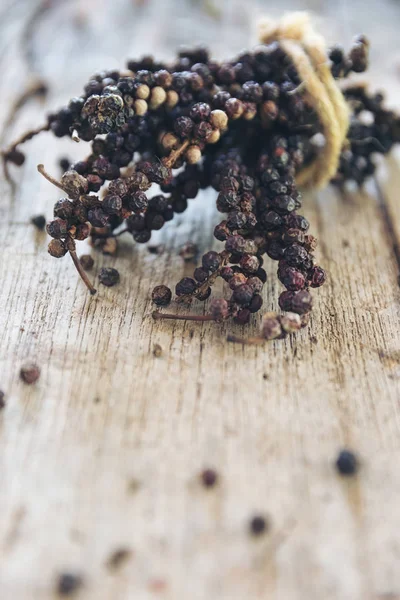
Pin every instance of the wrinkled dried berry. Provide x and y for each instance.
(161, 295)
(109, 276)
(29, 373)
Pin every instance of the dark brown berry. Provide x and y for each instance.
(109, 276)
(57, 229)
(161, 295)
(57, 248)
(211, 261)
(258, 525)
(68, 584)
(86, 261)
(219, 309)
(243, 294)
(185, 286)
(29, 373)
(209, 478)
(39, 222)
(317, 277)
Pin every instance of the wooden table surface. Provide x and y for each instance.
(104, 451)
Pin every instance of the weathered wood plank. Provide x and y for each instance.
(105, 450)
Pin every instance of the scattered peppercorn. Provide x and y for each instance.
(118, 557)
(39, 222)
(87, 262)
(161, 295)
(108, 276)
(68, 584)
(30, 373)
(157, 350)
(209, 478)
(258, 525)
(347, 463)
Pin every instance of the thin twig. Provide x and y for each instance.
(47, 176)
(159, 315)
(168, 161)
(81, 272)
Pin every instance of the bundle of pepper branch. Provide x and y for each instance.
(246, 127)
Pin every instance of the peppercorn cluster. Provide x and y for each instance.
(243, 127)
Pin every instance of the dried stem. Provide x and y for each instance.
(52, 180)
(159, 315)
(81, 272)
(24, 138)
(169, 160)
(225, 257)
(252, 341)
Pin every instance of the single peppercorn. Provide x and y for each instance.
(29, 373)
(347, 463)
(68, 584)
(57, 228)
(2, 400)
(86, 261)
(161, 295)
(185, 286)
(109, 276)
(211, 261)
(258, 525)
(39, 221)
(209, 478)
(219, 309)
(243, 294)
(57, 248)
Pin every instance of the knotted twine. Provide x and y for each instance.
(308, 52)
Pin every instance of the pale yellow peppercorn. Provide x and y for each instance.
(193, 154)
(214, 136)
(219, 119)
(158, 97)
(140, 107)
(172, 99)
(143, 91)
(169, 141)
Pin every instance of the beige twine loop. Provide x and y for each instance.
(307, 49)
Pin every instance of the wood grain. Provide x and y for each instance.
(104, 452)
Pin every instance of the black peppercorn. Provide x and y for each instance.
(68, 584)
(209, 478)
(161, 295)
(109, 276)
(39, 222)
(258, 525)
(185, 286)
(211, 261)
(347, 463)
(29, 373)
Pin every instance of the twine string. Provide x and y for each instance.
(307, 50)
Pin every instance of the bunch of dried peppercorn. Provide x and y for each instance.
(243, 127)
